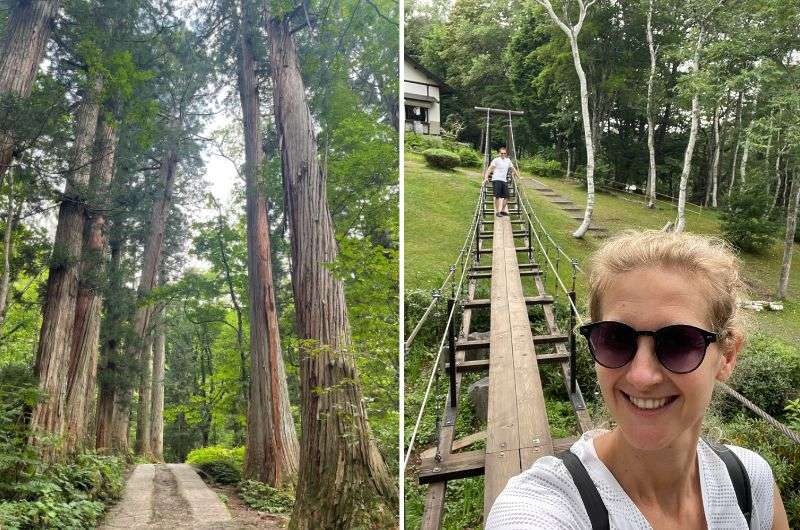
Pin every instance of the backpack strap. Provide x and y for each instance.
(739, 477)
(592, 501)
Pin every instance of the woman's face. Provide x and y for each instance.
(649, 299)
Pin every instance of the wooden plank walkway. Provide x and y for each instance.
(517, 427)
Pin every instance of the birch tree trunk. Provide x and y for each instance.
(687, 157)
(651, 147)
(343, 480)
(778, 178)
(26, 33)
(272, 448)
(137, 348)
(157, 406)
(715, 163)
(52, 356)
(572, 34)
(791, 227)
(82, 373)
(736, 142)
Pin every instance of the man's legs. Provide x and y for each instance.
(498, 205)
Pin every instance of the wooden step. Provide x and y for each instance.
(482, 365)
(486, 302)
(477, 344)
(470, 463)
(484, 268)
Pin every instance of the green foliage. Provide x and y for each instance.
(418, 143)
(767, 373)
(469, 157)
(539, 166)
(222, 464)
(441, 158)
(744, 222)
(265, 498)
(71, 494)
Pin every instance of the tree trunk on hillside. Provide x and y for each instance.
(12, 217)
(82, 373)
(137, 347)
(736, 142)
(651, 147)
(272, 447)
(157, 406)
(778, 178)
(715, 163)
(791, 227)
(687, 157)
(52, 356)
(26, 33)
(343, 479)
(572, 33)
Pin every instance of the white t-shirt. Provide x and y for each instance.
(545, 497)
(501, 166)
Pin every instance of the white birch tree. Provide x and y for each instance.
(651, 148)
(572, 32)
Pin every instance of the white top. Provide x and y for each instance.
(544, 496)
(501, 166)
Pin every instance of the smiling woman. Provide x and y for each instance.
(665, 329)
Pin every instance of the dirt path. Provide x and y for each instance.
(167, 496)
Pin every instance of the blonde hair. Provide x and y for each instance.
(711, 259)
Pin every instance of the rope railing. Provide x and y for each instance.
(437, 293)
(450, 319)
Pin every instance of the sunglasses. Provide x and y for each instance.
(680, 348)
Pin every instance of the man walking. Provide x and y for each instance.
(499, 170)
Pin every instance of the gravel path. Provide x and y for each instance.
(167, 496)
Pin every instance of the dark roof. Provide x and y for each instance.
(425, 71)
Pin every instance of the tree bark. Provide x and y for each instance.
(52, 356)
(272, 449)
(572, 34)
(26, 33)
(82, 373)
(715, 163)
(651, 148)
(138, 345)
(788, 243)
(736, 142)
(143, 418)
(687, 157)
(343, 480)
(778, 178)
(157, 406)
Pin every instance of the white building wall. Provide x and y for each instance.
(416, 82)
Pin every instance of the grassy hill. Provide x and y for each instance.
(439, 206)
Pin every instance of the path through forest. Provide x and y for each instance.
(163, 496)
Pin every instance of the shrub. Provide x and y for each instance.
(540, 166)
(265, 498)
(744, 223)
(767, 373)
(469, 157)
(419, 142)
(441, 158)
(222, 464)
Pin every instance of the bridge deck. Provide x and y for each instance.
(517, 429)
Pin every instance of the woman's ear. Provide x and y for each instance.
(729, 349)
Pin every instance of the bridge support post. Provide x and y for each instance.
(572, 360)
(451, 339)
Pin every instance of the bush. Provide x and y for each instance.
(767, 373)
(744, 223)
(222, 464)
(419, 142)
(265, 498)
(542, 167)
(441, 158)
(469, 157)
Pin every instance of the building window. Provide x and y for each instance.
(415, 113)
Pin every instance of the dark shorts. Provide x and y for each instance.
(500, 188)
